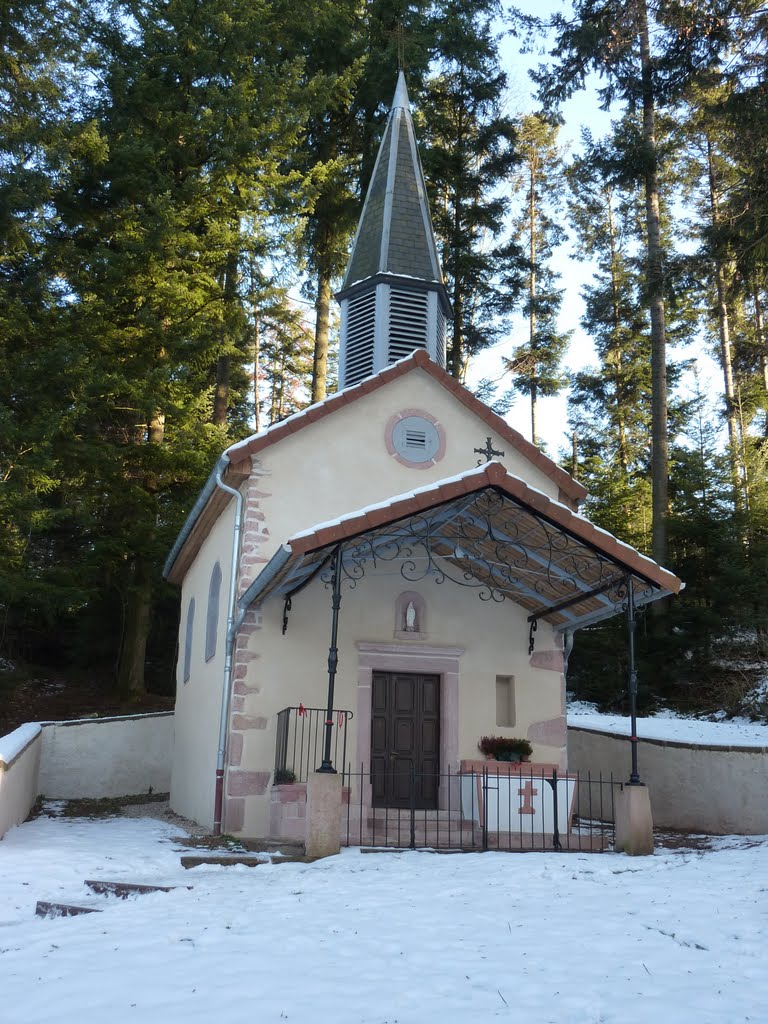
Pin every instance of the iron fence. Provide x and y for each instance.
(481, 810)
(299, 742)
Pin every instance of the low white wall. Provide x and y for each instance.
(719, 790)
(103, 757)
(19, 766)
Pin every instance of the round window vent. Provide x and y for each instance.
(415, 439)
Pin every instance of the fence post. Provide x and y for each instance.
(485, 809)
(556, 830)
(412, 843)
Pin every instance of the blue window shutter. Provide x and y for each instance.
(188, 640)
(212, 616)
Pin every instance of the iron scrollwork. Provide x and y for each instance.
(497, 547)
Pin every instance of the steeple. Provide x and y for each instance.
(393, 300)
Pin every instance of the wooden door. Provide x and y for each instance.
(405, 739)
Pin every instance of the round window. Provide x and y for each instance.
(417, 439)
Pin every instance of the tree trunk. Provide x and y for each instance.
(623, 447)
(221, 394)
(455, 361)
(724, 332)
(655, 281)
(133, 650)
(761, 343)
(223, 363)
(322, 332)
(256, 356)
(532, 296)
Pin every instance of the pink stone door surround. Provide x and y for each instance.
(409, 657)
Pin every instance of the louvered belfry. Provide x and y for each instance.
(393, 299)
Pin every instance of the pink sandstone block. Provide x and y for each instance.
(241, 690)
(245, 657)
(238, 703)
(552, 733)
(245, 722)
(235, 748)
(241, 783)
(552, 660)
(295, 792)
(234, 815)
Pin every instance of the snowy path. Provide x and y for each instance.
(381, 938)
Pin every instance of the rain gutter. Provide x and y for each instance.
(232, 630)
(202, 500)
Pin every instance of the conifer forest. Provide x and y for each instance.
(180, 181)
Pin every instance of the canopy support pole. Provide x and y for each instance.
(333, 659)
(634, 778)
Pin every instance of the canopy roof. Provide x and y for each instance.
(484, 529)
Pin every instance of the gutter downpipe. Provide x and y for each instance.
(232, 630)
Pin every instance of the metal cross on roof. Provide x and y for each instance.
(489, 451)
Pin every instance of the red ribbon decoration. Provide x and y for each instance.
(341, 719)
(302, 709)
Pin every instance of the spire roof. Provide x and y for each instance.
(395, 234)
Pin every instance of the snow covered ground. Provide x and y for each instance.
(381, 939)
(735, 732)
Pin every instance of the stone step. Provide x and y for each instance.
(404, 814)
(289, 847)
(249, 860)
(45, 908)
(266, 845)
(126, 889)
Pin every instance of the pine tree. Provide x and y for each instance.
(613, 40)
(42, 71)
(535, 365)
(197, 115)
(609, 408)
(468, 153)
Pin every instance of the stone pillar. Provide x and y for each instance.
(634, 824)
(323, 814)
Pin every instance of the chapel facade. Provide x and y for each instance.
(396, 555)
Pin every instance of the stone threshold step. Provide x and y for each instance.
(237, 846)
(126, 889)
(405, 849)
(249, 860)
(45, 908)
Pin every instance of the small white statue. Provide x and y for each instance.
(410, 618)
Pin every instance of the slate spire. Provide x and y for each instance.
(393, 300)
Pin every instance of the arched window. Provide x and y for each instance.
(212, 615)
(188, 640)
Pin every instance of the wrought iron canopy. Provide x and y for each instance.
(485, 530)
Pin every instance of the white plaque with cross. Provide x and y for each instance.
(518, 803)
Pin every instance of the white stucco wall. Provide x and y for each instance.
(719, 790)
(330, 467)
(106, 757)
(292, 669)
(198, 701)
(19, 765)
(341, 463)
